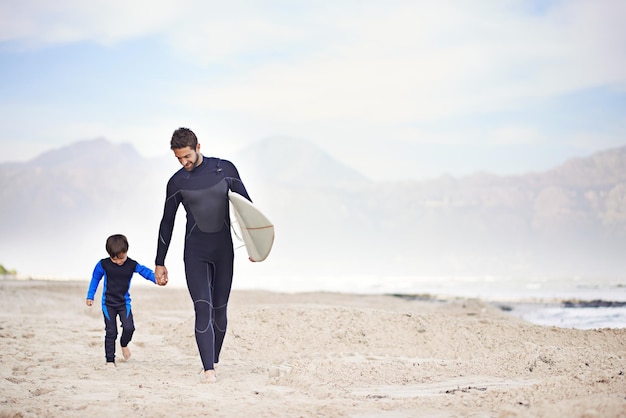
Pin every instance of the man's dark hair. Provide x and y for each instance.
(183, 137)
(117, 244)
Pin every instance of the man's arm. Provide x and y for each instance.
(166, 227)
(234, 181)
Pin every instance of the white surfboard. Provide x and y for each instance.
(257, 232)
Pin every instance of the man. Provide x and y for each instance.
(202, 187)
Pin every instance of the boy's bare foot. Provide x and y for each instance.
(111, 364)
(126, 352)
(210, 376)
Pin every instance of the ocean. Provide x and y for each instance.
(567, 302)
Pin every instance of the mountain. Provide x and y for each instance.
(74, 185)
(90, 154)
(58, 209)
(286, 161)
(567, 221)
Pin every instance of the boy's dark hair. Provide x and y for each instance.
(117, 244)
(183, 137)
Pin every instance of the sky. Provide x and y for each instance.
(397, 89)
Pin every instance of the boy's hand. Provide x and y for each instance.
(89, 302)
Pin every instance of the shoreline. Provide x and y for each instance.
(546, 311)
(569, 301)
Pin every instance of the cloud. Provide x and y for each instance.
(412, 61)
(416, 46)
(355, 72)
(34, 24)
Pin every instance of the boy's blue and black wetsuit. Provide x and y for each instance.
(208, 253)
(116, 299)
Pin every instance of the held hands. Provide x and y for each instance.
(160, 274)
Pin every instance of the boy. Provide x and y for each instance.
(117, 272)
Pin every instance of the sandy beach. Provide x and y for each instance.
(302, 355)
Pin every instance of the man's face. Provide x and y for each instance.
(189, 158)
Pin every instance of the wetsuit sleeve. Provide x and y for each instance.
(234, 181)
(98, 274)
(145, 272)
(166, 228)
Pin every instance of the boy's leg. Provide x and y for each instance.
(110, 327)
(128, 328)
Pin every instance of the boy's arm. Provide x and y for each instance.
(98, 273)
(145, 272)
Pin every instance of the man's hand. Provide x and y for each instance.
(160, 273)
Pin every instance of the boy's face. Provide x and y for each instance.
(188, 157)
(119, 259)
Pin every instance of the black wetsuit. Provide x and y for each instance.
(116, 299)
(208, 253)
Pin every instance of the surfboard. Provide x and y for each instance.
(257, 232)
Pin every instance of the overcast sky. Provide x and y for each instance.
(393, 88)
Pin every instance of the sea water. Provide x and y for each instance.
(575, 317)
(539, 300)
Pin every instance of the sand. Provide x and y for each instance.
(301, 355)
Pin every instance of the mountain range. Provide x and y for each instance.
(58, 209)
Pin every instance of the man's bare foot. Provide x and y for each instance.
(210, 376)
(126, 352)
(111, 364)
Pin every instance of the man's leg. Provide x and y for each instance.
(221, 292)
(199, 282)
